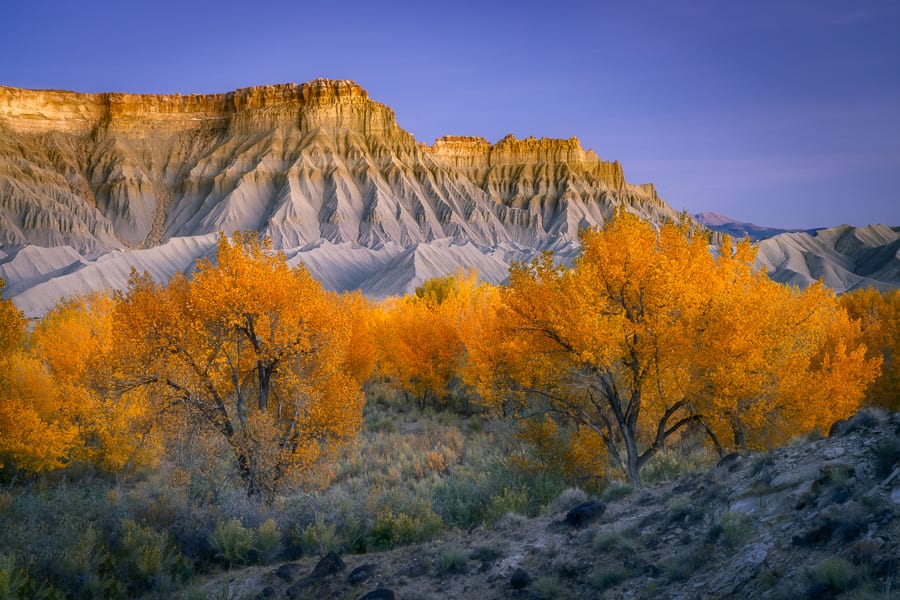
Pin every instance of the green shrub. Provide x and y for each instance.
(452, 560)
(736, 526)
(232, 541)
(887, 454)
(140, 555)
(267, 541)
(681, 566)
(567, 499)
(546, 587)
(667, 466)
(507, 501)
(612, 540)
(831, 576)
(603, 579)
(616, 491)
(320, 537)
(392, 530)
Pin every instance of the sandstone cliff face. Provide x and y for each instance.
(305, 164)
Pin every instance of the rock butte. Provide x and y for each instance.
(93, 184)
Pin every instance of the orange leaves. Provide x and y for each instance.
(256, 348)
(650, 332)
(879, 318)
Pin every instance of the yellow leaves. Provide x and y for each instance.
(36, 433)
(650, 331)
(878, 314)
(269, 359)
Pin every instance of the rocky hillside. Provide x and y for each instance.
(91, 184)
(844, 257)
(819, 519)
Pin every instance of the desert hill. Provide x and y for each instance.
(93, 183)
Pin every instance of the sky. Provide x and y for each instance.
(784, 113)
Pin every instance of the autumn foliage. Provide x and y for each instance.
(250, 347)
(647, 337)
(649, 334)
(879, 316)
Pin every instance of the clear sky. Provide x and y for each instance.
(780, 112)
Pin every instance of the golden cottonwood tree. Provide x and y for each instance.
(74, 342)
(254, 348)
(35, 433)
(425, 335)
(649, 332)
(879, 314)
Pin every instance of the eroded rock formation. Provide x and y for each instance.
(320, 167)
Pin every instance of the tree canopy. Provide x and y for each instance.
(649, 333)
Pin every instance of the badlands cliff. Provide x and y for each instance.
(91, 184)
(94, 184)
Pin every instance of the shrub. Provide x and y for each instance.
(392, 530)
(831, 576)
(140, 555)
(667, 466)
(680, 510)
(736, 526)
(681, 566)
(887, 454)
(612, 540)
(603, 579)
(452, 560)
(508, 500)
(319, 537)
(267, 541)
(616, 491)
(567, 499)
(232, 541)
(546, 587)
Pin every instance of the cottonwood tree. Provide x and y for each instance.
(649, 332)
(253, 348)
(879, 315)
(35, 432)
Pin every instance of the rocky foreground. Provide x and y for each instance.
(818, 519)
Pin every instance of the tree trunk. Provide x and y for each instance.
(264, 377)
(633, 465)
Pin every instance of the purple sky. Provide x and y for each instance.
(780, 112)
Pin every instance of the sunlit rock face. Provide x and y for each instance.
(325, 171)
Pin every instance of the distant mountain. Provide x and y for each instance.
(739, 229)
(844, 257)
(93, 184)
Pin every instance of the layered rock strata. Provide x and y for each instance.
(320, 167)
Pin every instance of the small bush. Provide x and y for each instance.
(488, 554)
(603, 579)
(508, 500)
(452, 560)
(667, 466)
(232, 541)
(681, 566)
(831, 576)
(392, 530)
(887, 455)
(612, 540)
(319, 537)
(615, 492)
(567, 499)
(546, 587)
(736, 527)
(267, 541)
(680, 510)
